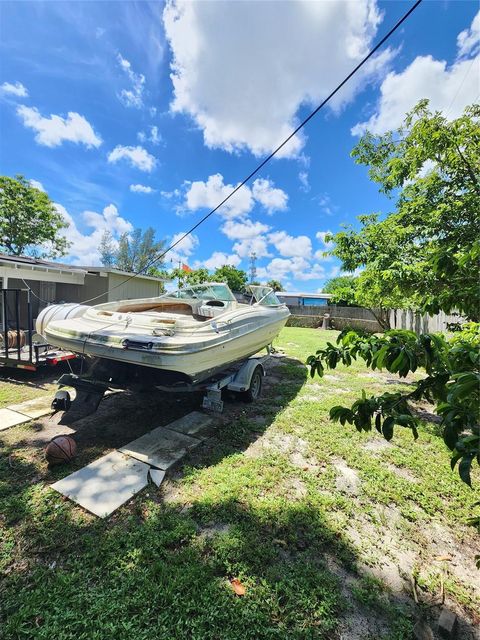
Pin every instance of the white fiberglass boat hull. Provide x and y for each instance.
(195, 347)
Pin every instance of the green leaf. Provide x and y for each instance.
(387, 428)
(464, 469)
(450, 436)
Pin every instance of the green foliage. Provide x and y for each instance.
(29, 221)
(107, 249)
(195, 276)
(426, 254)
(452, 384)
(133, 253)
(235, 278)
(343, 290)
(276, 285)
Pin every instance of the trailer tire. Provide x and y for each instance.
(255, 388)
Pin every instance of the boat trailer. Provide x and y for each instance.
(243, 379)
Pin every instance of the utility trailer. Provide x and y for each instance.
(244, 379)
(22, 348)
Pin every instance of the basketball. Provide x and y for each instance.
(60, 450)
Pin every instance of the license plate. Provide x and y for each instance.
(213, 405)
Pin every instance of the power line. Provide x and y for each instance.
(272, 154)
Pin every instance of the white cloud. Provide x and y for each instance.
(153, 136)
(324, 202)
(109, 219)
(271, 198)
(250, 236)
(449, 88)
(209, 194)
(52, 131)
(36, 184)
(319, 255)
(218, 259)
(243, 80)
(320, 235)
(184, 249)
(257, 245)
(291, 246)
(468, 41)
(17, 89)
(305, 185)
(187, 245)
(298, 268)
(140, 188)
(84, 246)
(136, 156)
(132, 97)
(176, 193)
(244, 230)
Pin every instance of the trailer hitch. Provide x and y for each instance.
(89, 394)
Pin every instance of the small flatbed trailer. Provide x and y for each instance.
(22, 348)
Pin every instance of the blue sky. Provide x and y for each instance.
(135, 114)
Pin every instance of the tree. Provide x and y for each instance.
(134, 252)
(276, 285)
(194, 276)
(425, 255)
(343, 290)
(107, 249)
(235, 278)
(29, 221)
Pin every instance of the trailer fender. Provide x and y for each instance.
(243, 378)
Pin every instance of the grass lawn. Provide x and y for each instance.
(17, 386)
(325, 528)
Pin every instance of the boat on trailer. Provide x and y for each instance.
(182, 337)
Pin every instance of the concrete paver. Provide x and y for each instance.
(35, 408)
(106, 484)
(161, 447)
(9, 418)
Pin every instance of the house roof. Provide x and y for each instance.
(48, 265)
(305, 294)
(27, 261)
(106, 270)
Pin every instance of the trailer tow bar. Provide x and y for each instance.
(89, 394)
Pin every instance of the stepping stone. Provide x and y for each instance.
(106, 484)
(9, 418)
(35, 408)
(193, 424)
(157, 476)
(161, 447)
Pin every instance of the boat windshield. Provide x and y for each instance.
(205, 291)
(264, 295)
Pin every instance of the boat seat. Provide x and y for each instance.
(181, 308)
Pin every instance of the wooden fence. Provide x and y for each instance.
(422, 323)
(359, 317)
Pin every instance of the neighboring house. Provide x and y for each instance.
(53, 282)
(295, 299)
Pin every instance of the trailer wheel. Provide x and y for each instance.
(255, 388)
